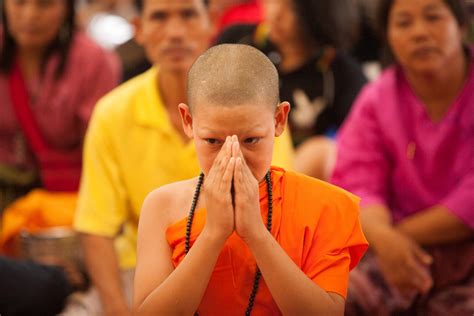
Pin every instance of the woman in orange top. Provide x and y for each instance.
(256, 239)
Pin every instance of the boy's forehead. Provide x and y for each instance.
(238, 118)
(253, 108)
(219, 102)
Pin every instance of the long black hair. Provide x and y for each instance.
(60, 44)
(328, 22)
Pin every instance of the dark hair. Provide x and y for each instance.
(139, 4)
(61, 44)
(457, 7)
(328, 22)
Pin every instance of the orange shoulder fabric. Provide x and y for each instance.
(317, 225)
(327, 228)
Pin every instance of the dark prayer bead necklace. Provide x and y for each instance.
(189, 223)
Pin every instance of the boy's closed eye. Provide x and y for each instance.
(251, 140)
(246, 141)
(213, 141)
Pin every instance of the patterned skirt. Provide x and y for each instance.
(452, 292)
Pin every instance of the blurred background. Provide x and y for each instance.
(60, 57)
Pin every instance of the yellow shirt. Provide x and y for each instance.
(130, 149)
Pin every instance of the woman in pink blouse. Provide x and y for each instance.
(50, 78)
(407, 149)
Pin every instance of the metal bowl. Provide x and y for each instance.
(51, 245)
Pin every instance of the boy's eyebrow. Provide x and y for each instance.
(253, 129)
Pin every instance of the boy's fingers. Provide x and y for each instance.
(224, 153)
(243, 177)
(228, 174)
(239, 153)
(236, 148)
(218, 161)
(238, 174)
(246, 173)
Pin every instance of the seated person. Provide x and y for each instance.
(306, 42)
(136, 143)
(51, 76)
(252, 231)
(407, 150)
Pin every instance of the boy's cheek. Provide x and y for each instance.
(206, 160)
(258, 165)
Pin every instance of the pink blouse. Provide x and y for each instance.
(62, 107)
(390, 152)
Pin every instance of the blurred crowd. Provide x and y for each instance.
(382, 105)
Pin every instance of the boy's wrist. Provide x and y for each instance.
(257, 240)
(213, 238)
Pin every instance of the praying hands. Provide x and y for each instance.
(231, 195)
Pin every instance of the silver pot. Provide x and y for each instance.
(54, 245)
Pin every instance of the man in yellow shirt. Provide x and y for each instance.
(135, 143)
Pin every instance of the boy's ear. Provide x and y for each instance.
(281, 117)
(186, 119)
(137, 25)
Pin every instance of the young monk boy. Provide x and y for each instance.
(244, 237)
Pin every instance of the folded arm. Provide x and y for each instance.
(434, 226)
(451, 220)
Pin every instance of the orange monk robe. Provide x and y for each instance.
(317, 225)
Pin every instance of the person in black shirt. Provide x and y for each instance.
(306, 40)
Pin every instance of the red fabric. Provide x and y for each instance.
(250, 13)
(60, 171)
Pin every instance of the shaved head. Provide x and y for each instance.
(233, 74)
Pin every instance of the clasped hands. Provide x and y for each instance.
(231, 195)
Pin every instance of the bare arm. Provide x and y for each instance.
(103, 267)
(160, 289)
(376, 221)
(181, 292)
(281, 274)
(434, 226)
